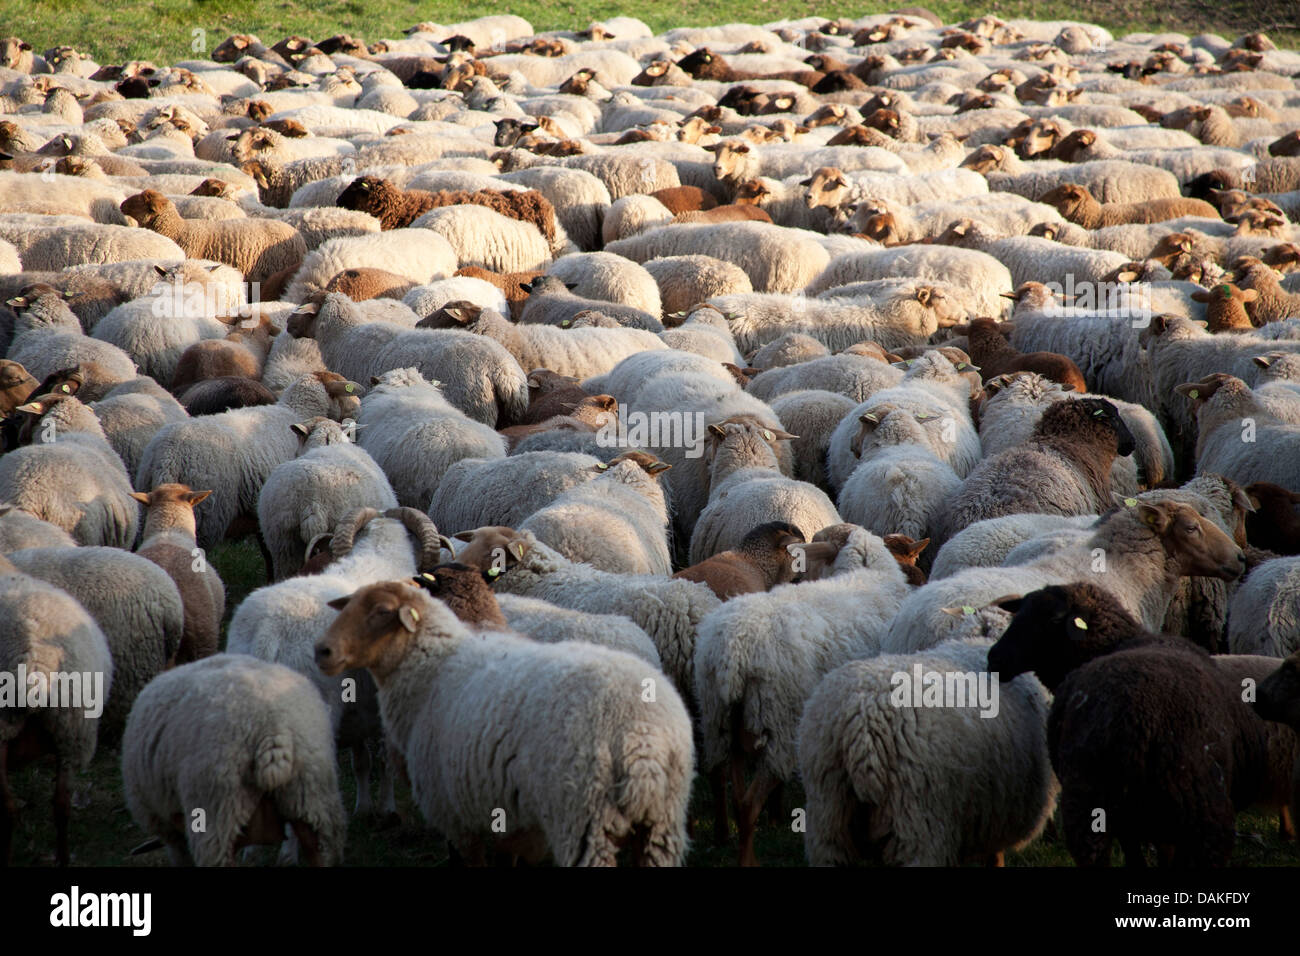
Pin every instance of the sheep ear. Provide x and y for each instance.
(1263, 361)
(526, 286)
(1244, 501)
(1249, 295)
(141, 497)
(570, 286)
(195, 497)
(409, 617)
(300, 428)
(374, 380)
(717, 431)
(656, 467)
(339, 603)
(460, 315)
(775, 434)
(1157, 516)
(1192, 390)
(33, 408)
(1011, 603)
(1200, 296)
(464, 535)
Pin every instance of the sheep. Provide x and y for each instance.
(54, 242)
(218, 395)
(1034, 258)
(242, 352)
(580, 199)
(814, 414)
(607, 278)
(898, 313)
(414, 435)
(1110, 181)
(19, 530)
(1144, 547)
(978, 277)
(774, 259)
(1064, 468)
(764, 558)
(16, 385)
(47, 337)
(477, 491)
(479, 376)
(168, 541)
(132, 413)
(760, 656)
(705, 332)
(259, 761)
(258, 249)
(669, 611)
(869, 765)
(685, 281)
(1262, 611)
(988, 543)
(856, 375)
(307, 497)
(1274, 524)
(539, 804)
(790, 348)
(1078, 205)
(581, 353)
(43, 630)
(934, 390)
(551, 301)
(419, 255)
(1225, 406)
(1270, 302)
(1175, 777)
(480, 236)
(234, 452)
(1276, 702)
(71, 478)
(281, 622)
(616, 522)
(746, 487)
(901, 486)
(134, 602)
(1225, 307)
(994, 356)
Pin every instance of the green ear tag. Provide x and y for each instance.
(1194, 393)
(348, 388)
(1131, 502)
(1080, 623)
(967, 609)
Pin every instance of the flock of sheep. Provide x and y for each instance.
(611, 408)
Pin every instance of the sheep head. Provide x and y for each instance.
(375, 629)
(651, 465)
(828, 187)
(1058, 628)
(467, 592)
(1070, 200)
(146, 207)
(493, 547)
(1193, 543)
(986, 159)
(1278, 697)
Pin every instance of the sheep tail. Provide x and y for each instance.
(273, 761)
(649, 800)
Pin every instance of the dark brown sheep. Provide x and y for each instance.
(366, 283)
(1275, 523)
(468, 593)
(397, 208)
(551, 394)
(905, 551)
(511, 283)
(679, 199)
(993, 355)
(765, 557)
(704, 64)
(216, 395)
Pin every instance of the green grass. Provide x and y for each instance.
(163, 30)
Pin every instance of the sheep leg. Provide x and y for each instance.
(1285, 824)
(361, 770)
(309, 841)
(749, 807)
(998, 859)
(718, 788)
(393, 765)
(266, 557)
(62, 809)
(8, 808)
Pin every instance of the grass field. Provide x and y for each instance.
(103, 833)
(164, 30)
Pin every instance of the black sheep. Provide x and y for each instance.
(1151, 741)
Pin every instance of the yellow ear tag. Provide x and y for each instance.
(1080, 623)
(601, 466)
(1193, 394)
(967, 609)
(1131, 502)
(768, 436)
(348, 388)
(415, 615)
(493, 572)
(519, 550)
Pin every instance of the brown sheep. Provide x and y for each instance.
(588, 414)
(1210, 124)
(1274, 524)
(216, 395)
(397, 208)
(15, 385)
(551, 394)
(1288, 145)
(764, 558)
(1225, 307)
(258, 248)
(994, 355)
(1272, 302)
(241, 353)
(468, 593)
(1076, 204)
(366, 283)
(734, 212)
(169, 542)
(679, 199)
(511, 283)
(704, 64)
(905, 551)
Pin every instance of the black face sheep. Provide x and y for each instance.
(1063, 468)
(1151, 741)
(216, 395)
(1275, 524)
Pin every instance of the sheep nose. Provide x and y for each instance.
(322, 654)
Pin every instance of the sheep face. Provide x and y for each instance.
(987, 158)
(492, 547)
(1069, 200)
(1279, 694)
(146, 207)
(375, 628)
(1197, 545)
(1056, 629)
(467, 591)
(826, 187)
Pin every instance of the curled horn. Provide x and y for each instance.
(346, 532)
(311, 545)
(425, 531)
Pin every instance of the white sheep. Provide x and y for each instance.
(422, 256)
(477, 492)
(548, 623)
(587, 764)
(1262, 611)
(305, 498)
(415, 435)
(861, 753)
(483, 237)
(980, 277)
(243, 743)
